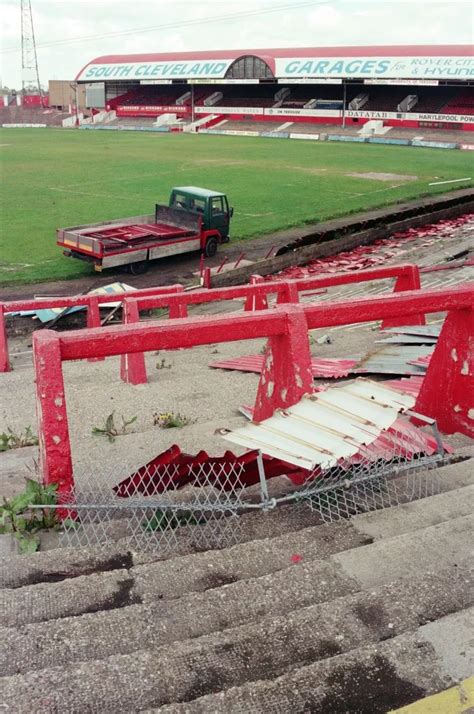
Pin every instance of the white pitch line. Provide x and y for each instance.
(438, 183)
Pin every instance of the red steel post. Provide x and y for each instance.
(93, 319)
(221, 265)
(4, 357)
(409, 279)
(239, 260)
(53, 432)
(253, 301)
(132, 366)
(289, 294)
(206, 278)
(447, 391)
(180, 309)
(286, 373)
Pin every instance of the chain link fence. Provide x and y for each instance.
(171, 508)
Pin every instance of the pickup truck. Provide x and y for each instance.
(195, 220)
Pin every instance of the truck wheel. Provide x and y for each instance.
(138, 268)
(211, 247)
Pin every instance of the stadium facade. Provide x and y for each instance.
(411, 86)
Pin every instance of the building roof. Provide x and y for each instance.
(395, 61)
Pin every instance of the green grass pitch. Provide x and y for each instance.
(55, 178)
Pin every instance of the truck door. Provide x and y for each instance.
(220, 215)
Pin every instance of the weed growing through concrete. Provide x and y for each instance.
(10, 439)
(110, 430)
(163, 364)
(20, 519)
(171, 420)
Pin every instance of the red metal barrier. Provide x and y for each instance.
(448, 387)
(90, 302)
(256, 298)
(4, 357)
(287, 373)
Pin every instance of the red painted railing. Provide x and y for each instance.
(133, 370)
(287, 369)
(176, 300)
(90, 302)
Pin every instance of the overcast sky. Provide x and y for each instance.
(78, 28)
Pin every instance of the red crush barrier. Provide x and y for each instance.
(90, 302)
(256, 298)
(287, 373)
(448, 387)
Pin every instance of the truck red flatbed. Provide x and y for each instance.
(162, 231)
(196, 219)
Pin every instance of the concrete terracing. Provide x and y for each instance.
(372, 614)
(360, 615)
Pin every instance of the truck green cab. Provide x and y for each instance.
(211, 205)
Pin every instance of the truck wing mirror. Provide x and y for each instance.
(231, 211)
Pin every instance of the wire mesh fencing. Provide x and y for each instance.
(173, 508)
(148, 510)
(396, 468)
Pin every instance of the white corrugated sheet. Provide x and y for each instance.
(325, 427)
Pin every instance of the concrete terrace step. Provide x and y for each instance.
(267, 648)
(221, 630)
(297, 522)
(158, 620)
(202, 571)
(371, 679)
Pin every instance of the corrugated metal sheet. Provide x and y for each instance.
(323, 428)
(173, 469)
(421, 361)
(49, 314)
(407, 340)
(390, 359)
(368, 256)
(394, 359)
(417, 330)
(321, 368)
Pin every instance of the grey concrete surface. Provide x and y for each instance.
(390, 673)
(273, 642)
(453, 641)
(444, 544)
(424, 512)
(374, 679)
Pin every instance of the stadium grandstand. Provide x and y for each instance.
(407, 87)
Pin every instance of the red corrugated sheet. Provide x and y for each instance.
(408, 385)
(173, 469)
(421, 361)
(321, 368)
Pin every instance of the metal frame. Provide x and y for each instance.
(286, 376)
(407, 277)
(256, 294)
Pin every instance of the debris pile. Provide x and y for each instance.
(338, 429)
(407, 351)
(368, 256)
